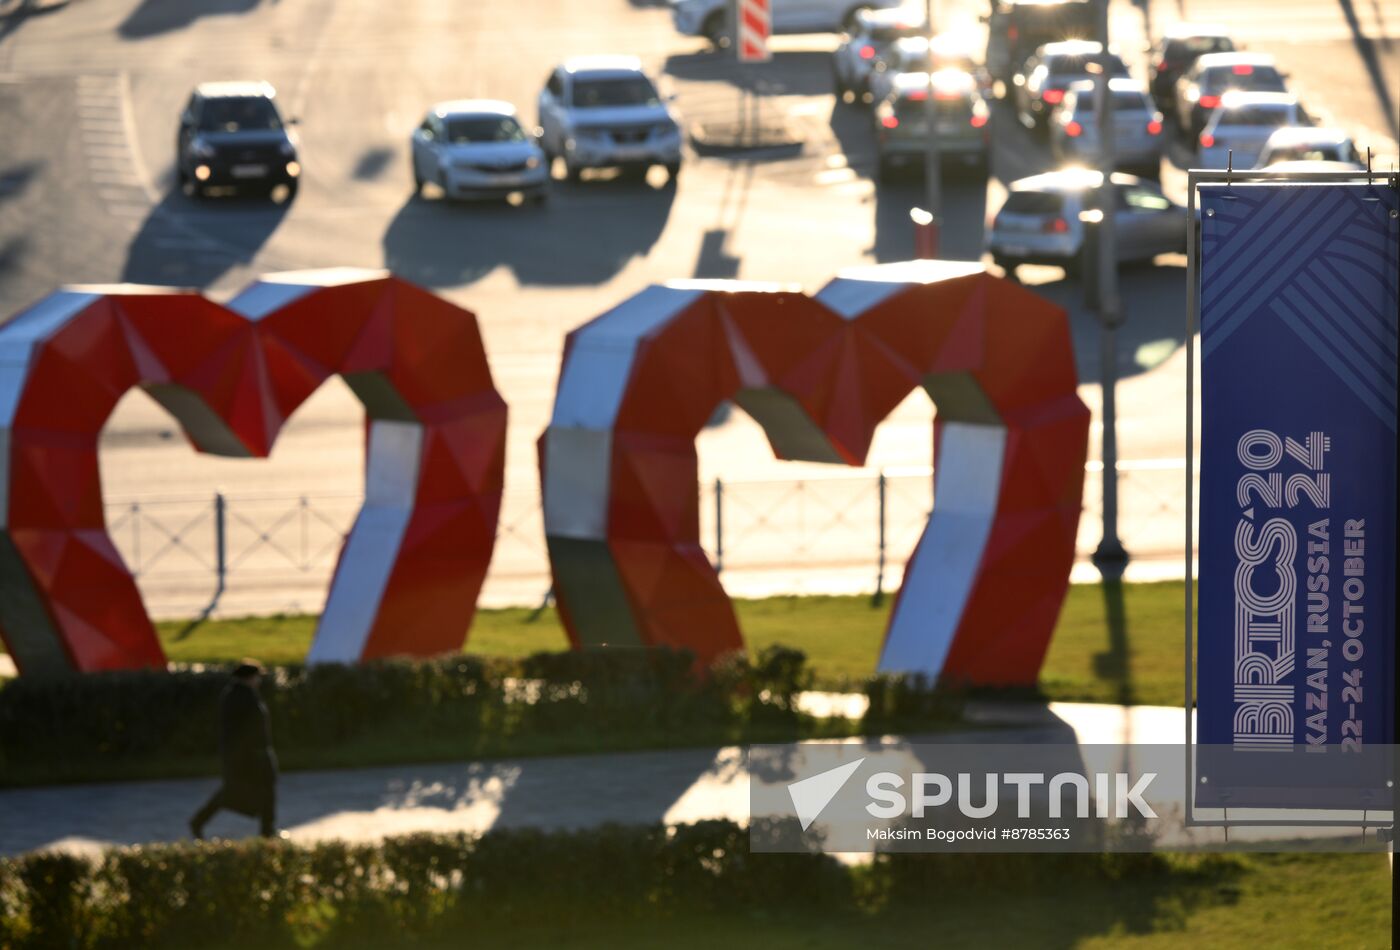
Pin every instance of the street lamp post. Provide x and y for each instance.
(933, 158)
(1110, 552)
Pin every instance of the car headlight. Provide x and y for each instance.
(532, 162)
(201, 149)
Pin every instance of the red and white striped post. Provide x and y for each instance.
(755, 22)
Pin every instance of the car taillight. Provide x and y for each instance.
(1242, 69)
(890, 122)
(978, 120)
(1154, 127)
(1055, 226)
(1052, 96)
(1207, 140)
(1209, 102)
(1074, 130)
(1012, 34)
(867, 52)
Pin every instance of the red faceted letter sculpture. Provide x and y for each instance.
(618, 464)
(411, 568)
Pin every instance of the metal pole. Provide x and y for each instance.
(220, 566)
(933, 158)
(879, 597)
(719, 526)
(220, 547)
(1110, 551)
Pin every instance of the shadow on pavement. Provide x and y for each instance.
(586, 234)
(1366, 49)
(191, 243)
(1154, 302)
(14, 17)
(153, 17)
(798, 73)
(13, 182)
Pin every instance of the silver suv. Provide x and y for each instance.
(602, 112)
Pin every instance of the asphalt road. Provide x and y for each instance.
(89, 92)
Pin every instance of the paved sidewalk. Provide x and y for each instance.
(677, 785)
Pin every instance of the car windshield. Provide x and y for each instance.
(1033, 202)
(1271, 116)
(1122, 102)
(1076, 65)
(241, 114)
(1313, 153)
(462, 130)
(1041, 23)
(1192, 46)
(622, 91)
(919, 61)
(1249, 78)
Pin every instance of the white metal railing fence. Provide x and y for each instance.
(269, 553)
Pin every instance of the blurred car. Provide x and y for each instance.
(231, 135)
(475, 148)
(1309, 144)
(1201, 89)
(1041, 221)
(871, 34)
(1176, 52)
(1137, 127)
(604, 111)
(1243, 124)
(1017, 28)
(920, 55)
(961, 122)
(711, 18)
(1041, 83)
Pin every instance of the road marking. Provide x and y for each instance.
(138, 162)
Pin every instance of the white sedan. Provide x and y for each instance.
(475, 148)
(1307, 144)
(1042, 221)
(1244, 121)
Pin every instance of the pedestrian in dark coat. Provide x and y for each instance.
(250, 765)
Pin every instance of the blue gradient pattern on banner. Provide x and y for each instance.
(1297, 532)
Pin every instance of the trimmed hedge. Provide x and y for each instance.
(145, 723)
(273, 893)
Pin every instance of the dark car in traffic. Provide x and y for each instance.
(1017, 28)
(232, 136)
(1177, 52)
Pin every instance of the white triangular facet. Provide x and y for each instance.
(811, 795)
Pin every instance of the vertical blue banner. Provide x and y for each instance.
(1296, 621)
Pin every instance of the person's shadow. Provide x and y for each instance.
(187, 242)
(586, 233)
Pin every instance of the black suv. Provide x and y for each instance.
(231, 135)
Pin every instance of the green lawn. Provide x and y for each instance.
(1249, 902)
(1137, 659)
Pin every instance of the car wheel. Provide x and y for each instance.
(716, 29)
(884, 170)
(673, 170)
(571, 171)
(1074, 266)
(417, 177)
(540, 196)
(1007, 264)
(292, 189)
(838, 82)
